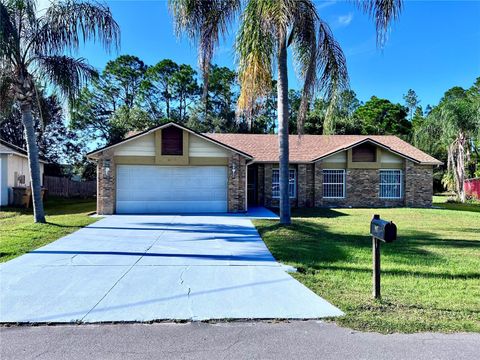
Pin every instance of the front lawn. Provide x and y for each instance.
(430, 276)
(19, 234)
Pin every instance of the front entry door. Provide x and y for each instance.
(252, 185)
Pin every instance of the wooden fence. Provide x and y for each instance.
(59, 186)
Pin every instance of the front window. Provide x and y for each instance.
(391, 184)
(292, 183)
(333, 184)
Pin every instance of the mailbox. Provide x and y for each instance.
(383, 230)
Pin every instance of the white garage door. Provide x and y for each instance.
(145, 189)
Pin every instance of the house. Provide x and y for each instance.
(171, 168)
(14, 170)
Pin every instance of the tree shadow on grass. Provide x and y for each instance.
(328, 213)
(316, 246)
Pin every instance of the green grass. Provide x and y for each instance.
(430, 276)
(19, 234)
(441, 201)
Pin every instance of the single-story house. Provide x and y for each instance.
(14, 170)
(171, 168)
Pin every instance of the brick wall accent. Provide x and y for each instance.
(106, 191)
(268, 185)
(310, 202)
(302, 185)
(318, 184)
(236, 183)
(362, 188)
(269, 200)
(418, 185)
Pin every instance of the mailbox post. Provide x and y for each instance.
(376, 267)
(381, 230)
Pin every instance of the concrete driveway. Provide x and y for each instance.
(143, 268)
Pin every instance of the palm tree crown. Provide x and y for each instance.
(33, 49)
(267, 28)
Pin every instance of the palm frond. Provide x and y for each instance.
(255, 47)
(68, 23)
(9, 37)
(333, 69)
(6, 81)
(319, 59)
(204, 21)
(67, 73)
(383, 12)
(303, 39)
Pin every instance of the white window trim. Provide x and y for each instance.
(344, 184)
(294, 196)
(401, 185)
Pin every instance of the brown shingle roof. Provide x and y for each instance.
(307, 148)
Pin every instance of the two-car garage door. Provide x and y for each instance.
(148, 189)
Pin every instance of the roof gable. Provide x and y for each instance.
(156, 128)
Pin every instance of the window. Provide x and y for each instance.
(292, 183)
(172, 141)
(364, 153)
(333, 184)
(391, 186)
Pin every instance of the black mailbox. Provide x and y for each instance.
(383, 230)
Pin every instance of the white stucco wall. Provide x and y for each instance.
(3, 179)
(12, 166)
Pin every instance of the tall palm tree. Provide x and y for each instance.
(454, 125)
(267, 28)
(32, 50)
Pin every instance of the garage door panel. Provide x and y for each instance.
(163, 189)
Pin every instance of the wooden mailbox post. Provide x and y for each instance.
(381, 230)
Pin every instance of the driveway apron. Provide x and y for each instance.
(162, 267)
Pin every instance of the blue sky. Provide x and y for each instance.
(435, 45)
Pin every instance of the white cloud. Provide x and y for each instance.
(345, 20)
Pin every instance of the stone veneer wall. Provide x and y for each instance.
(237, 183)
(418, 185)
(305, 185)
(362, 188)
(106, 193)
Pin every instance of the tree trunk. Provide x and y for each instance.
(460, 167)
(34, 163)
(282, 108)
(168, 107)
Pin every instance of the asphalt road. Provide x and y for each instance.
(238, 340)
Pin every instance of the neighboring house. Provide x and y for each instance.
(14, 170)
(171, 168)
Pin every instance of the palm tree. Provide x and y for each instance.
(267, 28)
(32, 50)
(454, 125)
